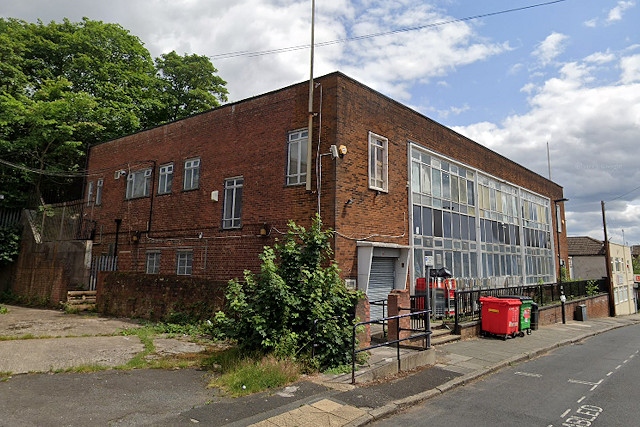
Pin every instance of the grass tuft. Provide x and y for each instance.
(255, 375)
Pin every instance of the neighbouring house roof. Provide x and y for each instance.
(585, 246)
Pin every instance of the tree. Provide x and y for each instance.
(64, 86)
(298, 299)
(190, 85)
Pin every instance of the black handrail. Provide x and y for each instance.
(424, 333)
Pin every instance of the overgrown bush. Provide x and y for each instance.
(9, 244)
(296, 300)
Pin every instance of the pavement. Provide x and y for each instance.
(320, 400)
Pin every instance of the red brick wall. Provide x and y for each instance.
(597, 307)
(154, 297)
(361, 110)
(45, 271)
(249, 139)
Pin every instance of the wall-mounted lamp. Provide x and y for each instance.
(264, 230)
(135, 237)
(348, 202)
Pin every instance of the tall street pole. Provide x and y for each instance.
(310, 130)
(607, 255)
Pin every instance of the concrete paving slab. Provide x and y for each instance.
(54, 354)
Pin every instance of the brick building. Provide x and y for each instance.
(202, 196)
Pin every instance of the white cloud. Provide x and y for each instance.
(592, 132)
(615, 14)
(600, 57)
(550, 48)
(630, 66)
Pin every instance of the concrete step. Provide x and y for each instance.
(442, 335)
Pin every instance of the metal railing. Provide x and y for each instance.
(381, 303)
(423, 333)
(467, 302)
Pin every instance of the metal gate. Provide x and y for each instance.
(381, 280)
(101, 263)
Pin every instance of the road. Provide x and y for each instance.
(593, 383)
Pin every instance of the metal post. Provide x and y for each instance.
(398, 343)
(563, 299)
(353, 355)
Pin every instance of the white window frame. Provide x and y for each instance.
(138, 183)
(297, 144)
(153, 262)
(184, 262)
(232, 210)
(378, 163)
(191, 174)
(165, 178)
(89, 193)
(99, 185)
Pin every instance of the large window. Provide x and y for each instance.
(297, 157)
(165, 179)
(153, 262)
(191, 174)
(138, 183)
(184, 262)
(232, 202)
(476, 226)
(378, 162)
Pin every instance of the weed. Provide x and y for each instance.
(255, 375)
(5, 376)
(3, 310)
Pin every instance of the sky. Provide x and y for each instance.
(551, 85)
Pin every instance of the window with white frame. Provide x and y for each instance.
(232, 211)
(153, 262)
(165, 178)
(297, 157)
(99, 185)
(89, 192)
(378, 162)
(184, 262)
(138, 183)
(191, 174)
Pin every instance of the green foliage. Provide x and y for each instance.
(9, 244)
(3, 310)
(189, 85)
(64, 86)
(255, 375)
(298, 299)
(592, 288)
(636, 265)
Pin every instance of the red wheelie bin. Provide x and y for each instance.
(500, 316)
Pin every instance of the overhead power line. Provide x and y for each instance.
(250, 54)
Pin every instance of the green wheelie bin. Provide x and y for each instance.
(525, 312)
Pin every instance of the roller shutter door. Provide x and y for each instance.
(381, 279)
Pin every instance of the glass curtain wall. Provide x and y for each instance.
(484, 231)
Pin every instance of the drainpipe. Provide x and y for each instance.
(115, 248)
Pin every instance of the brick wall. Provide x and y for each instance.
(249, 138)
(154, 297)
(597, 307)
(45, 271)
(383, 217)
